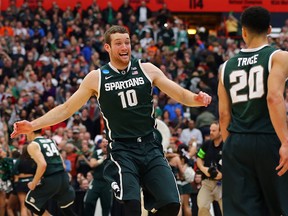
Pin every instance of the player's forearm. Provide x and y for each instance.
(39, 173)
(54, 116)
(224, 121)
(189, 99)
(186, 98)
(278, 116)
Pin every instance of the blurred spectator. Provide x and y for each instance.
(109, 13)
(72, 157)
(66, 161)
(59, 135)
(203, 122)
(191, 133)
(100, 188)
(145, 42)
(143, 13)
(163, 14)
(84, 155)
(196, 185)
(171, 107)
(166, 33)
(126, 10)
(33, 84)
(231, 25)
(75, 139)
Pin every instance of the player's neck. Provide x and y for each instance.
(256, 42)
(118, 66)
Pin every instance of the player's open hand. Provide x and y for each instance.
(21, 127)
(283, 163)
(203, 98)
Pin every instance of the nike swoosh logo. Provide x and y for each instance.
(108, 77)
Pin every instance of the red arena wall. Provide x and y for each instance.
(175, 6)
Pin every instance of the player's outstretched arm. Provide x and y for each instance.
(174, 90)
(60, 113)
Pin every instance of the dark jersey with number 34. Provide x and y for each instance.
(245, 79)
(125, 99)
(51, 155)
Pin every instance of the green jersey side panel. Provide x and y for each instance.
(51, 155)
(125, 100)
(245, 80)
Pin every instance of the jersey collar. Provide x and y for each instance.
(116, 70)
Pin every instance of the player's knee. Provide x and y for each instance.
(33, 209)
(132, 207)
(171, 209)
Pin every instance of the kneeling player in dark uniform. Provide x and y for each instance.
(50, 180)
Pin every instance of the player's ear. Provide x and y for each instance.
(107, 47)
(269, 30)
(244, 32)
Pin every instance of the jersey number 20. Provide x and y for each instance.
(255, 84)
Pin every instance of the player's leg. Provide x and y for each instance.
(123, 177)
(36, 200)
(242, 194)
(91, 198)
(274, 188)
(34, 208)
(105, 198)
(65, 196)
(161, 195)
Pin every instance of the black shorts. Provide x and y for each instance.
(141, 163)
(251, 185)
(54, 187)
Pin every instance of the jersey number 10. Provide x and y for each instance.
(128, 97)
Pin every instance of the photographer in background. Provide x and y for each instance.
(209, 161)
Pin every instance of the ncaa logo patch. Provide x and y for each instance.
(105, 71)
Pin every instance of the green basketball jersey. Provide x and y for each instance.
(51, 155)
(245, 79)
(125, 100)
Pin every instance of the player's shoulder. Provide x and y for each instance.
(93, 73)
(280, 54)
(147, 65)
(33, 146)
(91, 78)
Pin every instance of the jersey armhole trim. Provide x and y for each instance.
(99, 83)
(144, 72)
(270, 60)
(222, 69)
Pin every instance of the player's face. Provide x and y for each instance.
(120, 50)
